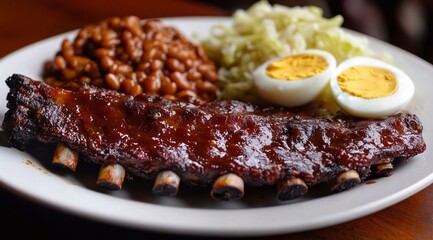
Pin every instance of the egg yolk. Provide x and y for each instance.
(367, 82)
(297, 67)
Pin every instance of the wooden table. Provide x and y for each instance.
(23, 22)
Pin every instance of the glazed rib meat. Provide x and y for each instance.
(203, 140)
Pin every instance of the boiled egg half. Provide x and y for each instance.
(296, 79)
(370, 88)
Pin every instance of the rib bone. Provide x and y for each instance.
(228, 187)
(111, 176)
(166, 184)
(291, 188)
(345, 181)
(384, 169)
(66, 157)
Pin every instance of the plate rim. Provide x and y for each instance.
(326, 221)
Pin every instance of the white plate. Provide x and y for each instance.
(193, 211)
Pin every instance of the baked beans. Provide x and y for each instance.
(134, 57)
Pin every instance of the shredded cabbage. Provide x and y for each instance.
(265, 31)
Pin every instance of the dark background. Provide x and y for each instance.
(407, 24)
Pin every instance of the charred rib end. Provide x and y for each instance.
(290, 189)
(383, 169)
(165, 190)
(228, 187)
(227, 193)
(166, 184)
(345, 181)
(111, 176)
(17, 123)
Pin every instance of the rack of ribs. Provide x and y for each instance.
(223, 144)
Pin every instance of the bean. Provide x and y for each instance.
(186, 93)
(158, 36)
(164, 78)
(109, 38)
(67, 50)
(108, 34)
(193, 76)
(113, 68)
(173, 51)
(150, 54)
(152, 25)
(112, 81)
(180, 80)
(152, 84)
(205, 86)
(136, 90)
(121, 54)
(103, 52)
(67, 53)
(132, 21)
(115, 22)
(189, 63)
(181, 55)
(127, 86)
(175, 65)
(156, 65)
(78, 62)
(110, 43)
(161, 56)
(126, 35)
(202, 68)
(60, 62)
(169, 97)
(69, 74)
(133, 25)
(141, 76)
(106, 62)
(168, 88)
(123, 69)
(136, 54)
(82, 34)
(192, 55)
(163, 47)
(78, 46)
(211, 76)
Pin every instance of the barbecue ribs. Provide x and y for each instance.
(201, 141)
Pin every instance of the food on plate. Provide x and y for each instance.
(141, 100)
(266, 31)
(133, 56)
(224, 143)
(296, 79)
(367, 87)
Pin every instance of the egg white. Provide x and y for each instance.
(293, 93)
(374, 107)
